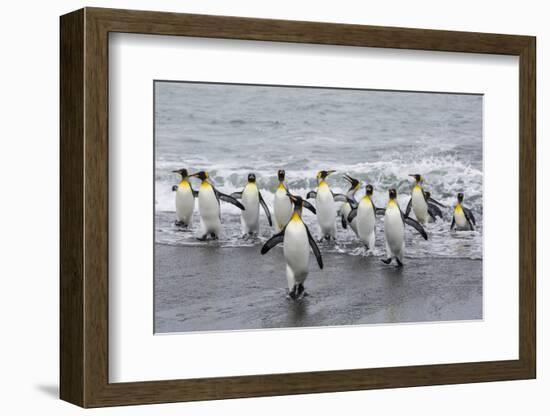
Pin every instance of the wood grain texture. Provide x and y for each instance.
(71, 208)
(84, 203)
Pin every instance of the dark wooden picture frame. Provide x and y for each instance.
(84, 207)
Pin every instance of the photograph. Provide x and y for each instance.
(281, 207)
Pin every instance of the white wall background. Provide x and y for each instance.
(29, 158)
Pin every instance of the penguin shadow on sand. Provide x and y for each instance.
(297, 309)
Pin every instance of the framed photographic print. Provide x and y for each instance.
(255, 207)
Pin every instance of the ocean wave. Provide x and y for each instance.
(445, 176)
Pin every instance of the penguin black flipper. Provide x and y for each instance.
(352, 214)
(273, 241)
(195, 193)
(453, 223)
(409, 206)
(416, 225)
(315, 248)
(174, 188)
(229, 199)
(266, 209)
(307, 205)
(434, 211)
(344, 222)
(433, 201)
(237, 195)
(470, 217)
(311, 194)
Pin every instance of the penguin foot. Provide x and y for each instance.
(386, 261)
(300, 290)
(180, 223)
(399, 263)
(214, 236)
(292, 293)
(203, 238)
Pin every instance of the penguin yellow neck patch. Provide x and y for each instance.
(458, 208)
(296, 217)
(184, 184)
(205, 184)
(417, 187)
(392, 203)
(322, 184)
(281, 187)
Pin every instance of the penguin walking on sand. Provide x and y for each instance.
(252, 199)
(297, 240)
(355, 184)
(423, 206)
(463, 219)
(209, 207)
(364, 215)
(282, 205)
(325, 206)
(394, 229)
(185, 199)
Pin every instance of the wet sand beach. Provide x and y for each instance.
(216, 288)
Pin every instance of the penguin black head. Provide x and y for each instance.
(251, 178)
(202, 175)
(369, 190)
(417, 177)
(354, 183)
(322, 174)
(460, 197)
(183, 172)
(393, 193)
(300, 203)
(281, 175)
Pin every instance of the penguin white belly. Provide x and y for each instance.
(346, 209)
(209, 209)
(366, 222)
(326, 211)
(296, 250)
(282, 208)
(251, 215)
(394, 231)
(461, 222)
(185, 203)
(419, 205)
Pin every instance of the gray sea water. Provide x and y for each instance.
(377, 136)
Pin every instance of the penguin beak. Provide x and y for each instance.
(330, 172)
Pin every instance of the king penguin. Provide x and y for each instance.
(365, 218)
(394, 229)
(423, 205)
(282, 205)
(463, 219)
(185, 199)
(209, 207)
(296, 240)
(355, 184)
(252, 199)
(326, 208)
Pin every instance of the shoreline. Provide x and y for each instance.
(235, 288)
